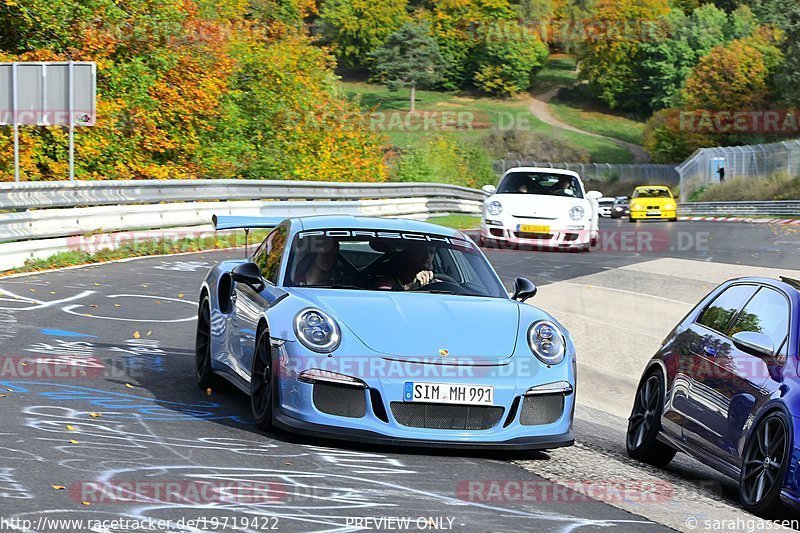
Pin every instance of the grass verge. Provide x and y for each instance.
(459, 222)
(131, 249)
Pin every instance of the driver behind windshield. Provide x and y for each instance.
(409, 269)
(564, 186)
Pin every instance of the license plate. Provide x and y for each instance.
(448, 393)
(528, 228)
(654, 212)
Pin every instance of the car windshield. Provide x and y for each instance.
(621, 201)
(390, 261)
(652, 193)
(540, 183)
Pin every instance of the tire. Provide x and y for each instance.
(631, 220)
(644, 424)
(482, 241)
(261, 385)
(202, 346)
(673, 219)
(765, 461)
(593, 242)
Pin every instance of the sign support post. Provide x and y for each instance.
(71, 76)
(14, 120)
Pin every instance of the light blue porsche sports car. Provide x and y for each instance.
(388, 331)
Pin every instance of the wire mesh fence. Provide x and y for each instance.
(646, 174)
(708, 166)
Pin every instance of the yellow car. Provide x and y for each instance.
(653, 202)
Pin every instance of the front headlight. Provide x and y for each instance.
(494, 208)
(316, 330)
(547, 342)
(669, 207)
(636, 205)
(576, 213)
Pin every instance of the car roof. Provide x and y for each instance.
(318, 222)
(652, 187)
(786, 284)
(546, 170)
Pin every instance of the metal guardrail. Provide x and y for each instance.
(788, 208)
(50, 223)
(40, 195)
(43, 218)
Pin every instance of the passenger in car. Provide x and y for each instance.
(318, 267)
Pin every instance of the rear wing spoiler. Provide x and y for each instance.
(246, 223)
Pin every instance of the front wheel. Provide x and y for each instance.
(261, 401)
(631, 219)
(766, 458)
(644, 423)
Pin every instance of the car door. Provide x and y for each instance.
(731, 380)
(767, 313)
(250, 303)
(707, 376)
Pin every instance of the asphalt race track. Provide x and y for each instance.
(120, 409)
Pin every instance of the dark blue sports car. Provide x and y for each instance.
(724, 388)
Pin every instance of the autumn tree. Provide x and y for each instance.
(410, 57)
(356, 28)
(611, 54)
(734, 77)
(666, 61)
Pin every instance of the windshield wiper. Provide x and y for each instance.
(334, 286)
(439, 291)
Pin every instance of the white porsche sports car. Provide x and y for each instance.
(540, 207)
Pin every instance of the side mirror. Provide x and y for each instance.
(757, 343)
(249, 274)
(524, 289)
(491, 189)
(594, 195)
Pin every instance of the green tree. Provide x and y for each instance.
(356, 28)
(610, 58)
(785, 15)
(668, 60)
(508, 57)
(456, 25)
(410, 57)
